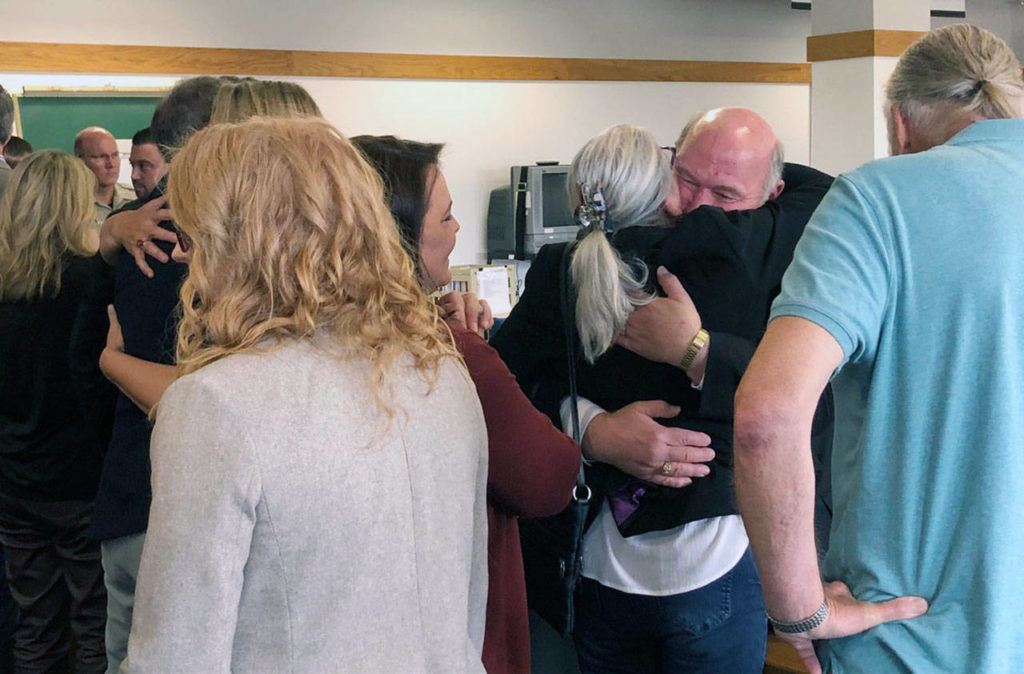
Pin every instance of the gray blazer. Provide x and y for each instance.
(295, 527)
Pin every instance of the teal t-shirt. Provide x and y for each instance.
(915, 265)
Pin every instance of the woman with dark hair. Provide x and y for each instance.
(533, 465)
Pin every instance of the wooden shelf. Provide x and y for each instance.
(140, 59)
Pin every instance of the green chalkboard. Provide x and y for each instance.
(51, 122)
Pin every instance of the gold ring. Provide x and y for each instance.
(666, 468)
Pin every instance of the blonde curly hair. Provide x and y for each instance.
(45, 214)
(293, 240)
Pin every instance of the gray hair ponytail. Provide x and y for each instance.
(955, 74)
(635, 179)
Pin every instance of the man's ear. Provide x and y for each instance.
(899, 141)
(779, 186)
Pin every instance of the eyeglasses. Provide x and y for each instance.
(104, 157)
(184, 240)
(670, 150)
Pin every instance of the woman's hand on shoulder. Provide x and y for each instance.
(135, 231)
(466, 311)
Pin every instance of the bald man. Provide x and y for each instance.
(738, 219)
(729, 158)
(729, 161)
(97, 148)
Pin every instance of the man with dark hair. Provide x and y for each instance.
(6, 128)
(97, 149)
(148, 163)
(15, 150)
(145, 308)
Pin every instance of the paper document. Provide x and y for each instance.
(493, 285)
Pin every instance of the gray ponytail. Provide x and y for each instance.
(635, 179)
(954, 74)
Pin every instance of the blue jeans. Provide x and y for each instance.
(121, 557)
(720, 627)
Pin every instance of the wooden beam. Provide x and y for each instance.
(860, 43)
(137, 59)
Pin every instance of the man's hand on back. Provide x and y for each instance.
(631, 440)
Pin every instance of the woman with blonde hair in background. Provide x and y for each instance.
(55, 412)
(313, 509)
(238, 101)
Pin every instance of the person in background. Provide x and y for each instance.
(907, 292)
(16, 149)
(144, 381)
(146, 308)
(297, 524)
(97, 148)
(239, 101)
(8, 612)
(533, 465)
(6, 129)
(148, 165)
(55, 412)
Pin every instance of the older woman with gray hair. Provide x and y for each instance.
(668, 581)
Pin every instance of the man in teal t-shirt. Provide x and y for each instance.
(908, 285)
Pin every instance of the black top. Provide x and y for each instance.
(731, 264)
(55, 405)
(147, 310)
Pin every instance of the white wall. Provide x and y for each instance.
(739, 30)
(488, 126)
(1005, 18)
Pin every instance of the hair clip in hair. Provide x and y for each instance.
(592, 211)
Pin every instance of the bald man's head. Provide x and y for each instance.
(97, 148)
(727, 157)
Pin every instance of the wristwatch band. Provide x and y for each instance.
(698, 342)
(805, 625)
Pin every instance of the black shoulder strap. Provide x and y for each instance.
(568, 299)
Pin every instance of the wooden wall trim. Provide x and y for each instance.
(859, 43)
(136, 59)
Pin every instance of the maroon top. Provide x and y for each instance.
(533, 468)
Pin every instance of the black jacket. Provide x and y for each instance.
(147, 310)
(731, 264)
(55, 404)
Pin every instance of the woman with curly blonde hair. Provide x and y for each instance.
(312, 509)
(55, 411)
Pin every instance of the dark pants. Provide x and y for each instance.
(56, 580)
(720, 627)
(8, 619)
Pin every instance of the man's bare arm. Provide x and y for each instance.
(774, 474)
